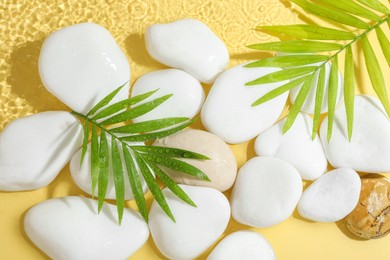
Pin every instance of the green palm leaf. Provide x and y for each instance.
(172, 185)
(85, 141)
(156, 135)
(349, 89)
(282, 75)
(136, 111)
(333, 41)
(298, 103)
(105, 101)
(135, 182)
(332, 94)
(169, 152)
(153, 186)
(297, 46)
(94, 158)
(121, 105)
(353, 8)
(119, 182)
(287, 61)
(338, 16)
(384, 43)
(311, 32)
(376, 5)
(148, 126)
(103, 169)
(135, 160)
(176, 165)
(375, 73)
(280, 90)
(318, 103)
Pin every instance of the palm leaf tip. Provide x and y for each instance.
(318, 101)
(349, 90)
(375, 74)
(332, 95)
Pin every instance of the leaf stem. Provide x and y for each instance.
(100, 126)
(358, 37)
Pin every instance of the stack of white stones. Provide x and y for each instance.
(81, 64)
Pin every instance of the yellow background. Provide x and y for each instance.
(25, 24)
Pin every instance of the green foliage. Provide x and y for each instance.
(116, 151)
(306, 71)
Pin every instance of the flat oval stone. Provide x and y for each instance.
(331, 197)
(243, 244)
(81, 64)
(227, 111)
(196, 228)
(34, 149)
(295, 147)
(70, 228)
(190, 45)
(81, 174)
(371, 216)
(266, 192)
(188, 95)
(309, 104)
(368, 150)
(221, 168)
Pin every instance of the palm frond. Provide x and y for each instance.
(299, 67)
(115, 150)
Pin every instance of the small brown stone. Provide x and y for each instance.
(371, 217)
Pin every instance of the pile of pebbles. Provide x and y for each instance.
(80, 64)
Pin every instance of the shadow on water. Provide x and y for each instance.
(136, 49)
(25, 81)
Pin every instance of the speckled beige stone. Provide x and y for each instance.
(371, 217)
(221, 168)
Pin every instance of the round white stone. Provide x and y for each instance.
(188, 95)
(34, 149)
(190, 45)
(221, 169)
(266, 192)
(81, 174)
(295, 146)
(196, 228)
(331, 197)
(228, 112)
(81, 64)
(245, 244)
(309, 104)
(368, 150)
(70, 228)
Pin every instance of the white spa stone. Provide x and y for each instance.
(34, 149)
(188, 95)
(244, 244)
(70, 228)
(188, 44)
(81, 64)
(266, 192)
(295, 147)
(221, 168)
(228, 112)
(82, 174)
(331, 197)
(309, 104)
(196, 228)
(368, 150)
